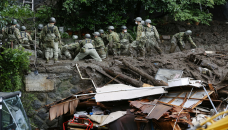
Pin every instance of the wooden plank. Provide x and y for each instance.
(174, 98)
(194, 98)
(201, 100)
(214, 95)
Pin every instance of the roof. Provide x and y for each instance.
(6, 95)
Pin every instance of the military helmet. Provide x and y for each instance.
(14, 22)
(23, 28)
(87, 36)
(138, 19)
(18, 26)
(147, 21)
(96, 34)
(52, 20)
(188, 32)
(40, 26)
(75, 37)
(143, 22)
(123, 27)
(110, 28)
(101, 31)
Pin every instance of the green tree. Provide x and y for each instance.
(13, 65)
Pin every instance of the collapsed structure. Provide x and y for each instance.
(175, 91)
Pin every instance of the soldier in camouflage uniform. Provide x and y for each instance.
(179, 39)
(37, 36)
(87, 48)
(152, 37)
(104, 37)
(114, 41)
(139, 43)
(51, 37)
(99, 45)
(12, 34)
(26, 38)
(71, 49)
(125, 40)
(18, 26)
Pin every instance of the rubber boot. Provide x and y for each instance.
(47, 60)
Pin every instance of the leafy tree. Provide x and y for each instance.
(13, 64)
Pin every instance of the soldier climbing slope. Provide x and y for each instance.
(152, 37)
(87, 48)
(99, 45)
(179, 39)
(12, 34)
(125, 40)
(51, 37)
(26, 38)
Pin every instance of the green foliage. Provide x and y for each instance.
(65, 35)
(13, 64)
(44, 13)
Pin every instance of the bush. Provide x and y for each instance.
(13, 64)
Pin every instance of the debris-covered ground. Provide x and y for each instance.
(126, 93)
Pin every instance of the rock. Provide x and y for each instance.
(31, 113)
(64, 86)
(41, 96)
(52, 95)
(75, 80)
(51, 123)
(75, 90)
(36, 104)
(38, 122)
(66, 94)
(42, 114)
(59, 69)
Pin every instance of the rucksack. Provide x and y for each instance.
(24, 38)
(50, 36)
(11, 36)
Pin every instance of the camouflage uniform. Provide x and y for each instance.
(50, 45)
(114, 43)
(87, 48)
(152, 37)
(71, 49)
(26, 39)
(39, 47)
(12, 34)
(99, 46)
(178, 39)
(125, 40)
(139, 44)
(60, 50)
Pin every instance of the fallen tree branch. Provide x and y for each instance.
(152, 79)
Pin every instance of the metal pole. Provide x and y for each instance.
(12, 44)
(210, 100)
(1, 116)
(32, 5)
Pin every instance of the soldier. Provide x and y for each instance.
(125, 40)
(51, 37)
(105, 39)
(71, 49)
(37, 37)
(12, 34)
(140, 38)
(114, 41)
(26, 38)
(179, 38)
(99, 45)
(152, 37)
(87, 48)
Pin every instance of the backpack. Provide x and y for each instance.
(24, 38)
(11, 36)
(50, 36)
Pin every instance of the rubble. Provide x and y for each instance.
(163, 92)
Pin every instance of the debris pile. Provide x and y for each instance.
(176, 91)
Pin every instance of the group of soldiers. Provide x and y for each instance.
(49, 44)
